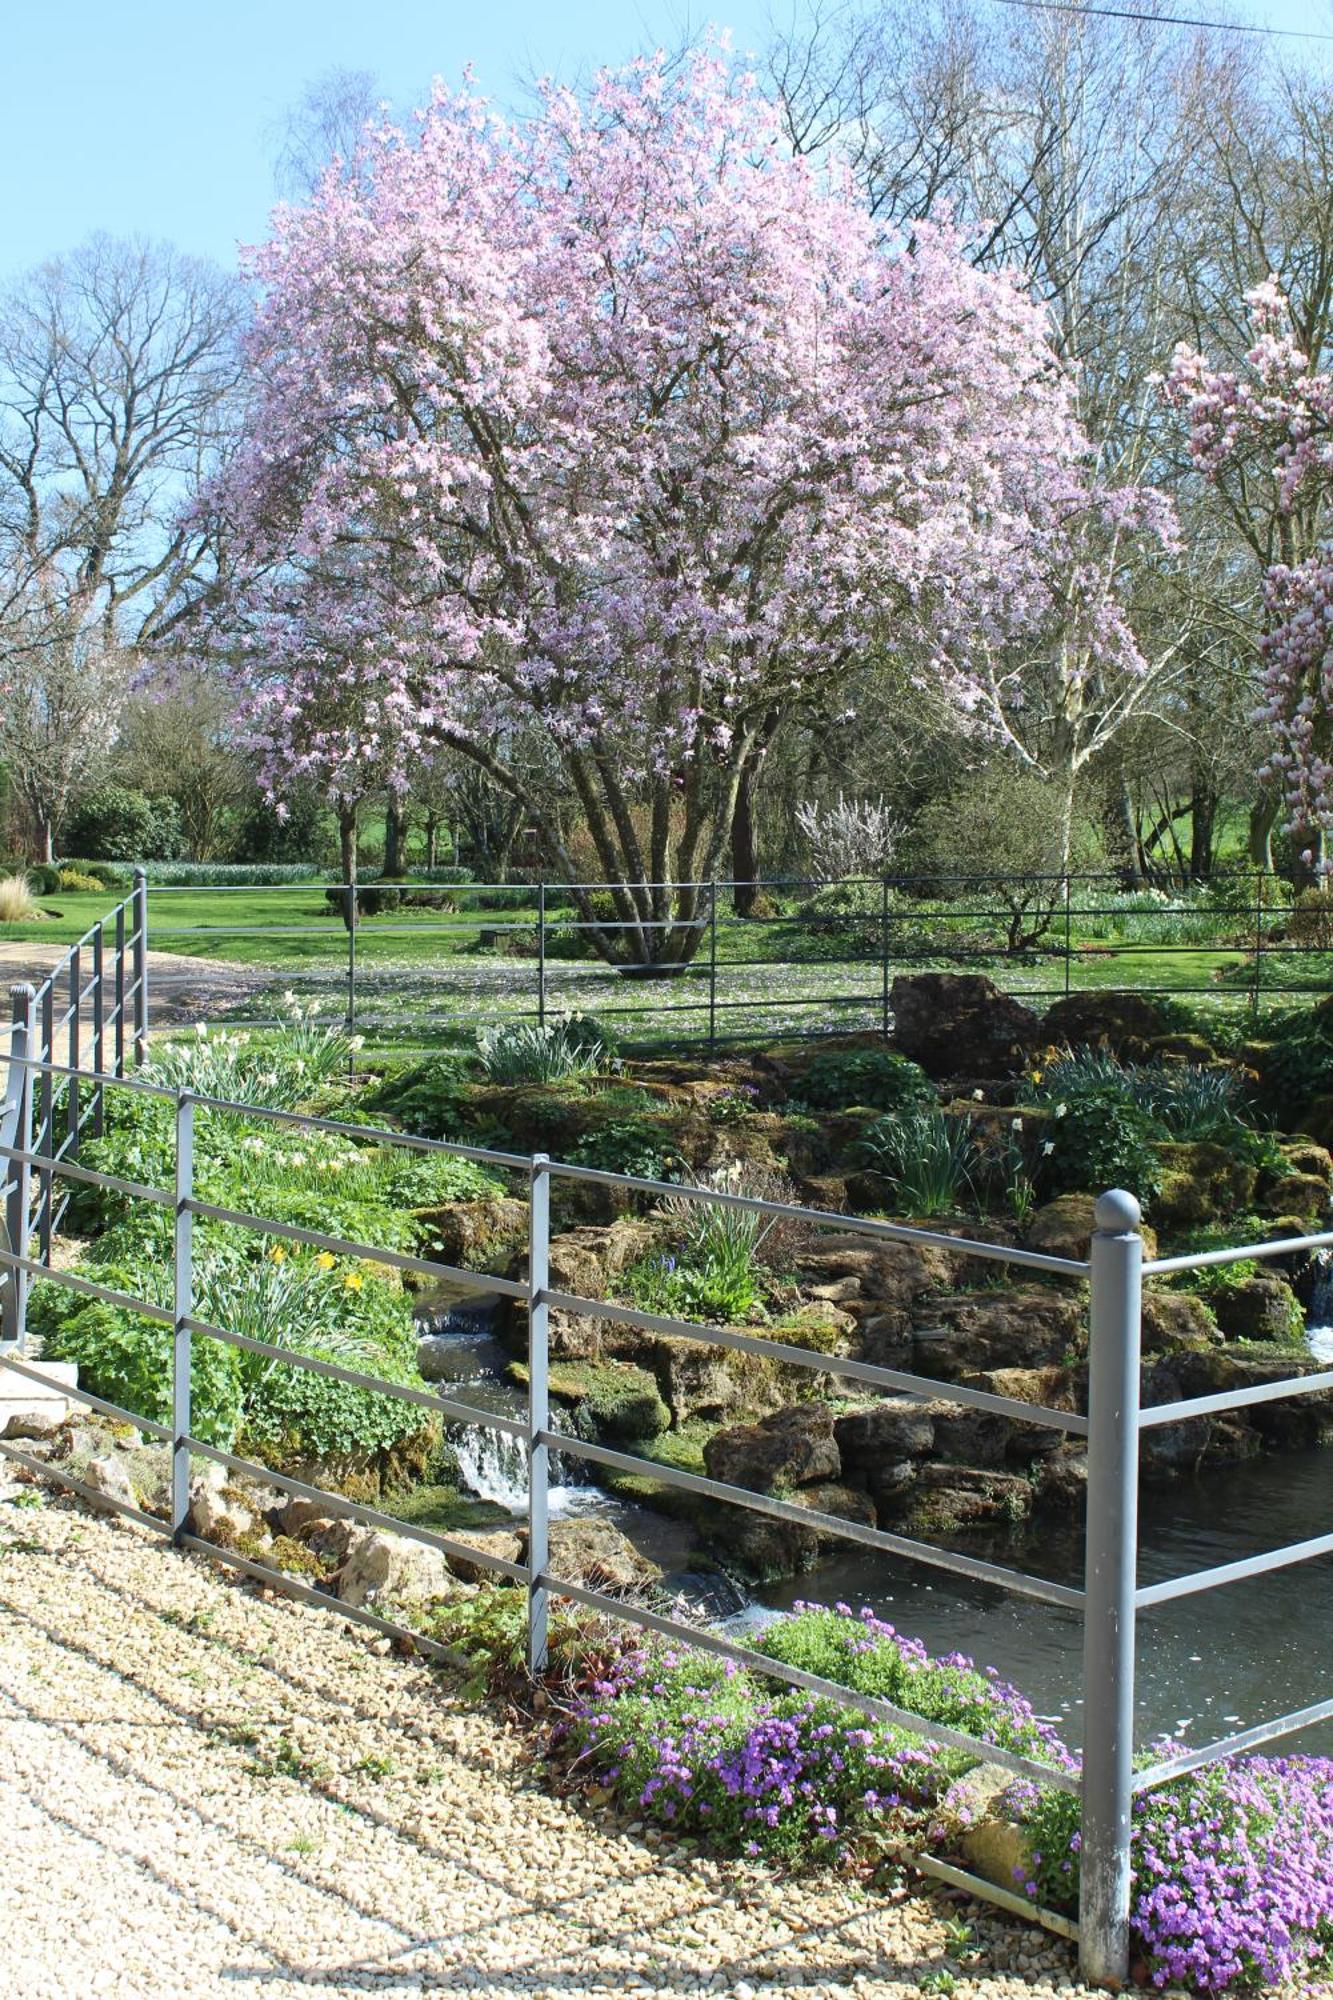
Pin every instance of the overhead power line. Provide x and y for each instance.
(1166, 20)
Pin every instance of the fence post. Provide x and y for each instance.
(884, 956)
(712, 965)
(18, 1174)
(75, 1037)
(1258, 939)
(541, 954)
(1069, 952)
(353, 916)
(1110, 1583)
(140, 955)
(182, 1310)
(46, 1117)
(119, 1002)
(99, 1026)
(539, 1412)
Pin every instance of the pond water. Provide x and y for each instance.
(1207, 1665)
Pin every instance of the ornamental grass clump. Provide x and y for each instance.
(544, 1051)
(1233, 1872)
(930, 1158)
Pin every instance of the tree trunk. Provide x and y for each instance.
(744, 847)
(46, 839)
(432, 841)
(1203, 828)
(1263, 818)
(393, 837)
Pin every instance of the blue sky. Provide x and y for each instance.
(157, 116)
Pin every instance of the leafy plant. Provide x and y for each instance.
(1099, 1140)
(430, 1098)
(719, 1285)
(543, 1052)
(930, 1158)
(624, 1146)
(281, 1071)
(878, 1077)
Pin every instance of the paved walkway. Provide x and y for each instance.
(206, 1792)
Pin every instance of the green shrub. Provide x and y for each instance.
(43, 878)
(878, 1077)
(430, 1098)
(544, 1052)
(1298, 1064)
(75, 883)
(624, 1146)
(1100, 1140)
(719, 1286)
(311, 1304)
(104, 873)
(113, 822)
(221, 874)
(1184, 1100)
(931, 1159)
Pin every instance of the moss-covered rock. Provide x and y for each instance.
(1202, 1182)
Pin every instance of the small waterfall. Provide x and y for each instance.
(1319, 1317)
(491, 1465)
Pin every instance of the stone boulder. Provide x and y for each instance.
(896, 1428)
(596, 1553)
(1305, 1195)
(585, 1261)
(1263, 1307)
(502, 1542)
(1175, 1320)
(864, 1278)
(944, 1498)
(1000, 1329)
(951, 1022)
(381, 1566)
(1203, 1182)
(1126, 1023)
(468, 1233)
(217, 1511)
(792, 1447)
(972, 1437)
(1063, 1228)
(109, 1479)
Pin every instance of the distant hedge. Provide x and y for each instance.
(200, 874)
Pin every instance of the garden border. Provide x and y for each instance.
(1110, 1599)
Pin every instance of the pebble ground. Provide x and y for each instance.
(203, 1791)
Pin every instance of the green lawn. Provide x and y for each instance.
(423, 979)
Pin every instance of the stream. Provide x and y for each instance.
(1208, 1665)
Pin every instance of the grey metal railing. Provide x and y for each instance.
(894, 924)
(102, 980)
(1109, 1600)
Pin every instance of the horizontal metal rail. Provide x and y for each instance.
(973, 1567)
(47, 1469)
(316, 1365)
(1209, 1260)
(925, 1388)
(1232, 1746)
(85, 1396)
(1154, 1415)
(340, 1246)
(824, 1218)
(796, 1677)
(322, 1600)
(353, 1510)
(125, 1300)
(1233, 1572)
(56, 1163)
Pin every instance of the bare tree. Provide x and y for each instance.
(326, 124)
(119, 366)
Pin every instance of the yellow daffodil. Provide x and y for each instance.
(326, 1260)
(353, 1281)
(277, 1254)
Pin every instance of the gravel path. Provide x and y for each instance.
(203, 1791)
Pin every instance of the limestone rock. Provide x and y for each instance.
(469, 1232)
(1263, 1307)
(597, 1554)
(972, 1437)
(502, 1542)
(217, 1514)
(109, 1478)
(1000, 1329)
(1063, 1228)
(794, 1446)
(1172, 1320)
(947, 1497)
(382, 1566)
(35, 1426)
(1203, 1182)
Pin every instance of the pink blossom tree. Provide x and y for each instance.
(625, 424)
(1268, 429)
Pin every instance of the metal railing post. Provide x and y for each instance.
(539, 1411)
(182, 1310)
(884, 956)
(75, 1037)
(99, 1026)
(119, 988)
(1258, 940)
(1110, 1582)
(353, 915)
(1069, 945)
(712, 965)
(541, 954)
(140, 959)
(17, 1173)
(46, 1118)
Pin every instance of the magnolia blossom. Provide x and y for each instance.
(1277, 416)
(626, 426)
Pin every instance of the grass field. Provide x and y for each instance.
(422, 977)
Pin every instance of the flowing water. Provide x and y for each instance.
(1207, 1665)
